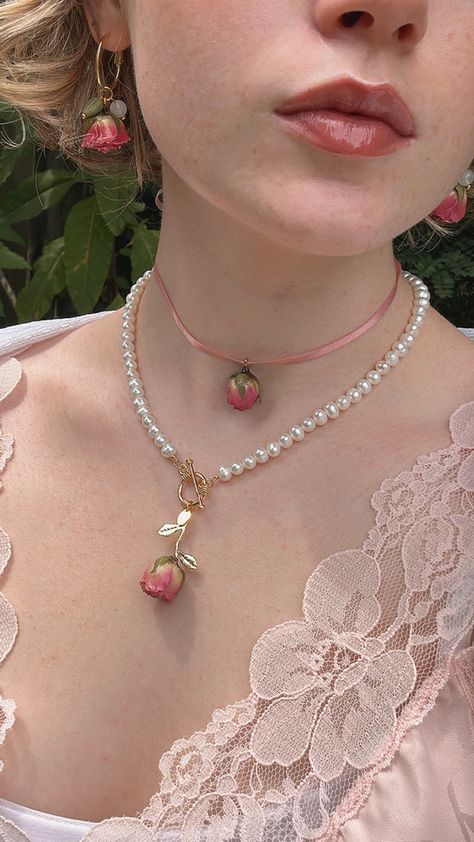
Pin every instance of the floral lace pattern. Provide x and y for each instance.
(332, 695)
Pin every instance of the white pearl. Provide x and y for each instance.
(467, 178)
(320, 417)
(225, 474)
(332, 410)
(118, 108)
(274, 449)
(401, 348)
(392, 358)
(364, 385)
(354, 395)
(343, 402)
(421, 302)
(373, 377)
(168, 450)
(419, 311)
(297, 433)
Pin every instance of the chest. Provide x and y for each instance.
(104, 677)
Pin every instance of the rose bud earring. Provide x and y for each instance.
(453, 208)
(102, 118)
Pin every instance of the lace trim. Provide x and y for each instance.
(10, 376)
(439, 485)
(290, 743)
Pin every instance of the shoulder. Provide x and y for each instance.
(49, 355)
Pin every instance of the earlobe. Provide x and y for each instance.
(107, 23)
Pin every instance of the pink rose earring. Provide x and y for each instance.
(102, 118)
(453, 208)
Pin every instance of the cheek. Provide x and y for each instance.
(203, 68)
(445, 70)
(187, 59)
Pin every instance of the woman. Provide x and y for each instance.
(342, 571)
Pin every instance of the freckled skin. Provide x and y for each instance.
(211, 73)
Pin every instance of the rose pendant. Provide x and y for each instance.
(165, 575)
(243, 389)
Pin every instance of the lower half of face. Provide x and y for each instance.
(211, 73)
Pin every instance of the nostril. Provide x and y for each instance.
(406, 32)
(350, 18)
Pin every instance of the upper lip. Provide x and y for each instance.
(354, 97)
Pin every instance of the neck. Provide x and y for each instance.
(248, 296)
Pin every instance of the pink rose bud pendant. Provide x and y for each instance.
(243, 389)
(165, 576)
(102, 130)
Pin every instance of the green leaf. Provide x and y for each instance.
(123, 283)
(10, 235)
(88, 251)
(115, 196)
(35, 299)
(11, 260)
(33, 195)
(145, 243)
(12, 131)
(2, 309)
(8, 159)
(116, 303)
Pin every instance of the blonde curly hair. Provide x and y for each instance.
(47, 71)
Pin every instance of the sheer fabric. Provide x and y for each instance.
(359, 723)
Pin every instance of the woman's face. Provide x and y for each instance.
(210, 74)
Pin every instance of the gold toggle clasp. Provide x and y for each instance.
(201, 486)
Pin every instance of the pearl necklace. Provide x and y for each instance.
(165, 575)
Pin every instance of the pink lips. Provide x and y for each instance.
(350, 118)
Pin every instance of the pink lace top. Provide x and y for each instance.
(359, 723)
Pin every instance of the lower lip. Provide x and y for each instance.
(345, 134)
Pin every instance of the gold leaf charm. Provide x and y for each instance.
(169, 529)
(188, 560)
(185, 560)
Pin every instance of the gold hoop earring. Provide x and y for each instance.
(102, 118)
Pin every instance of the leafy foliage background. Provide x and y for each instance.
(73, 242)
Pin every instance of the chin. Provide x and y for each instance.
(326, 220)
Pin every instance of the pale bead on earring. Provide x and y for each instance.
(454, 207)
